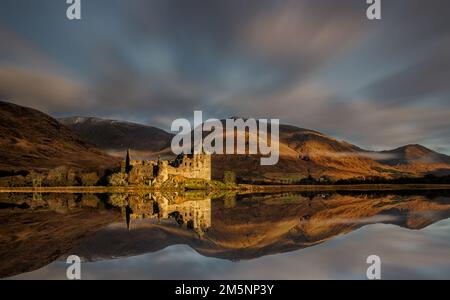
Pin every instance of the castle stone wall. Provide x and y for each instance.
(197, 166)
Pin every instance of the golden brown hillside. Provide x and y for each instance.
(32, 140)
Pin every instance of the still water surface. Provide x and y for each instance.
(198, 236)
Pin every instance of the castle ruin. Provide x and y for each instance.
(146, 172)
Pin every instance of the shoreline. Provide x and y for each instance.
(239, 188)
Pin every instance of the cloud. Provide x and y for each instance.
(41, 88)
(426, 80)
(308, 31)
(318, 64)
(15, 49)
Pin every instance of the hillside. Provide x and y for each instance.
(417, 159)
(414, 154)
(252, 227)
(116, 137)
(32, 140)
(260, 226)
(303, 152)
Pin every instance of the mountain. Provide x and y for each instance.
(303, 152)
(47, 231)
(30, 139)
(268, 224)
(117, 136)
(414, 154)
(247, 227)
(416, 159)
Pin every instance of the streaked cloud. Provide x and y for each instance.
(41, 89)
(317, 64)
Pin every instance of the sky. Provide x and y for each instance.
(315, 64)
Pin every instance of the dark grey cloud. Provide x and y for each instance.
(426, 81)
(315, 63)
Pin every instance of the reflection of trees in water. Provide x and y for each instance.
(430, 194)
(193, 210)
(251, 226)
(53, 201)
(328, 211)
(245, 226)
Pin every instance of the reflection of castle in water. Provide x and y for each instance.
(246, 226)
(192, 212)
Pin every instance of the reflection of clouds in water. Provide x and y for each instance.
(367, 220)
(439, 227)
(175, 262)
(404, 253)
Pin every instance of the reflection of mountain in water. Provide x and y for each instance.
(37, 229)
(250, 226)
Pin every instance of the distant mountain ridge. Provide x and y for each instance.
(414, 154)
(33, 140)
(261, 225)
(116, 136)
(302, 151)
